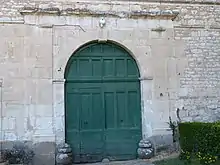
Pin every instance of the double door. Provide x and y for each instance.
(103, 120)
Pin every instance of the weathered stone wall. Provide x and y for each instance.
(26, 70)
(199, 84)
(26, 103)
(178, 60)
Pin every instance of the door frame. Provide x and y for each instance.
(59, 94)
(69, 85)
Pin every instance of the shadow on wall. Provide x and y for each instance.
(162, 143)
(26, 152)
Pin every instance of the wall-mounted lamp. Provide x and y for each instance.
(102, 22)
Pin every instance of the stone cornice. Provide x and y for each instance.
(152, 14)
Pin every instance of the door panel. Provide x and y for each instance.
(72, 122)
(122, 130)
(86, 98)
(91, 131)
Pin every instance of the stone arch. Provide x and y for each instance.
(128, 62)
(125, 48)
(61, 61)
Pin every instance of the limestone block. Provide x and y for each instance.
(173, 93)
(8, 123)
(142, 24)
(179, 48)
(44, 123)
(14, 48)
(161, 128)
(183, 92)
(64, 33)
(157, 34)
(10, 135)
(159, 66)
(59, 123)
(173, 83)
(31, 19)
(162, 33)
(43, 110)
(12, 30)
(20, 129)
(31, 91)
(22, 30)
(141, 33)
(153, 23)
(121, 35)
(171, 67)
(60, 136)
(58, 88)
(125, 23)
(86, 22)
(59, 65)
(41, 56)
(90, 35)
(58, 109)
(47, 137)
(143, 52)
(29, 124)
(48, 159)
(44, 91)
(166, 23)
(182, 64)
(160, 87)
(161, 111)
(44, 148)
(51, 20)
(15, 69)
(13, 109)
(163, 51)
(14, 90)
(111, 23)
(161, 42)
(72, 20)
(40, 72)
(146, 86)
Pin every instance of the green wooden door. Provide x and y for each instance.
(102, 103)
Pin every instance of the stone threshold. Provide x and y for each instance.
(150, 14)
(130, 162)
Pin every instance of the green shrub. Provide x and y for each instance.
(202, 139)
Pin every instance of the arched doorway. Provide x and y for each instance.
(102, 103)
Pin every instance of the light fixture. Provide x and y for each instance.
(102, 22)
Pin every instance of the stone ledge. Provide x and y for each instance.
(150, 14)
(6, 20)
(58, 81)
(146, 78)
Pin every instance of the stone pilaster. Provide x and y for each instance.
(145, 148)
(59, 110)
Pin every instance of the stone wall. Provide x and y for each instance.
(199, 85)
(26, 73)
(176, 46)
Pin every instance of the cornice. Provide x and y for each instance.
(144, 14)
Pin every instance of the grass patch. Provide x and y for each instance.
(176, 161)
